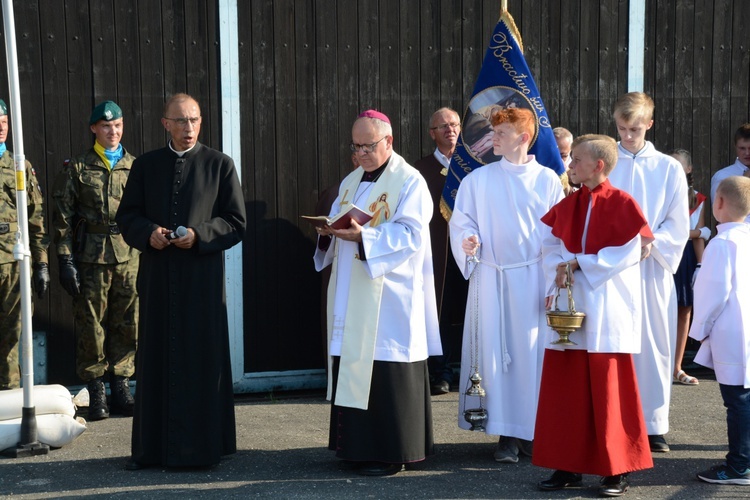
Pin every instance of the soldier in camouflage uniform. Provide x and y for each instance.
(97, 268)
(10, 270)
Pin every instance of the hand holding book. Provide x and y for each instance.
(342, 220)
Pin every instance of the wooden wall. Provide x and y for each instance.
(307, 67)
(698, 69)
(73, 54)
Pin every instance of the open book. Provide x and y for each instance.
(342, 220)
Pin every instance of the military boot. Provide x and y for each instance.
(97, 400)
(122, 400)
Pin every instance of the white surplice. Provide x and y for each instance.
(658, 184)
(721, 316)
(399, 251)
(502, 203)
(606, 288)
(736, 168)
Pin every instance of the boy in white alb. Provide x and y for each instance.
(658, 184)
(498, 206)
(722, 323)
(741, 165)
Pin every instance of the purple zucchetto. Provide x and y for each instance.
(371, 113)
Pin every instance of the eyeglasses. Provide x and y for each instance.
(365, 148)
(182, 122)
(444, 126)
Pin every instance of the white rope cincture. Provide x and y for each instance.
(501, 270)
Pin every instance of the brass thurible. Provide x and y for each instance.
(565, 322)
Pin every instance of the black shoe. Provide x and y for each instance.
(379, 469)
(131, 464)
(98, 409)
(561, 480)
(122, 400)
(658, 444)
(614, 486)
(441, 387)
(349, 464)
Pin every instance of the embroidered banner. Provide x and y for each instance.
(504, 81)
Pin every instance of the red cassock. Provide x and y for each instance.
(589, 418)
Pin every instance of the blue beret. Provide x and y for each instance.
(3, 108)
(107, 111)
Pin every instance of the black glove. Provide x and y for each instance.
(40, 278)
(69, 275)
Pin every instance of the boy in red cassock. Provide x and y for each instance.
(589, 418)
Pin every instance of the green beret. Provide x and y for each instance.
(107, 111)
(3, 108)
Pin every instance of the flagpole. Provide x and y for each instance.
(503, 6)
(636, 44)
(28, 445)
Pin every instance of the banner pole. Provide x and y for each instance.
(28, 444)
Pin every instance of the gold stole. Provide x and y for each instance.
(365, 294)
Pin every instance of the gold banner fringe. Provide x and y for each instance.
(506, 18)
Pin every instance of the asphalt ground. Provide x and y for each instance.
(282, 438)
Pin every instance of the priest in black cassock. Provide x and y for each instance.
(184, 406)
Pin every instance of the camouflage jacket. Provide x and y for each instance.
(38, 239)
(86, 196)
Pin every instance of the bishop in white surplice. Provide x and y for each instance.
(399, 252)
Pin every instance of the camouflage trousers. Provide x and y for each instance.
(10, 325)
(106, 319)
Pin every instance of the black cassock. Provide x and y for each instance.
(184, 405)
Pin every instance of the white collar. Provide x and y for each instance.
(439, 156)
(180, 153)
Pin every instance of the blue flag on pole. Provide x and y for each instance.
(504, 82)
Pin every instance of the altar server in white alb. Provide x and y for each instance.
(741, 165)
(382, 314)
(657, 182)
(722, 323)
(496, 218)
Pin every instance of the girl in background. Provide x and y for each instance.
(690, 263)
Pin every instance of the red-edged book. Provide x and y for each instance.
(342, 220)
